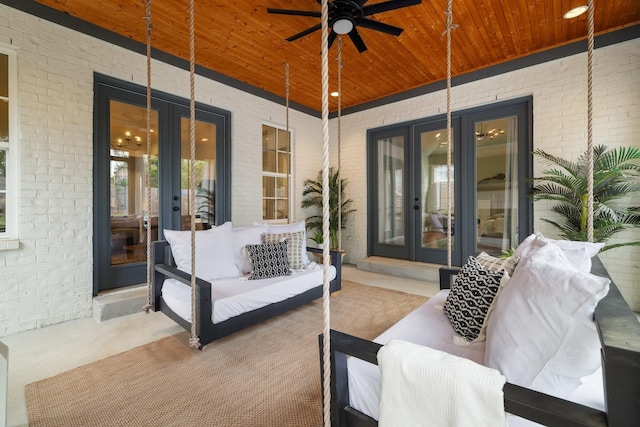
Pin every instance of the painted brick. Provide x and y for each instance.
(56, 68)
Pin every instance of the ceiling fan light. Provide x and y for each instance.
(575, 12)
(342, 25)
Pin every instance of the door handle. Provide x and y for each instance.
(176, 208)
(416, 207)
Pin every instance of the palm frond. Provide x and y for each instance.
(339, 204)
(616, 175)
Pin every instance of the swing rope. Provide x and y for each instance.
(590, 123)
(194, 340)
(291, 150)
(325, 217)
(147, 18)
(339, 59)
(450, 26)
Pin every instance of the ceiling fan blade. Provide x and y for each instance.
(357, 40)
(305, 32)
(294, 12)
(388, 5)
(380, 26)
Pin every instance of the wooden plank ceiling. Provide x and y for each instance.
(241, 40)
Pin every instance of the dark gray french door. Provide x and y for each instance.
(409, 185)
(122, 211)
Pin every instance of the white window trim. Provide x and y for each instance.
(8, 239)
(289, 176)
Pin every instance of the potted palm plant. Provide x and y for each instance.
(616, 177)
(312, 199)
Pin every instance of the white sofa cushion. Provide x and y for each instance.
(242, 237)
(578, 253)
(214, 252)
(540, 323)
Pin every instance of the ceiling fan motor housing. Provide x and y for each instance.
(343, 10)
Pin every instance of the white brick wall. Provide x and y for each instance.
(49, 278)
(559, 90)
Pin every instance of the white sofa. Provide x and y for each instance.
(243, 276)
(562, 366)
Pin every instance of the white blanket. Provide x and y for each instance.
(420, 386)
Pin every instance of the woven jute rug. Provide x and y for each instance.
(266, 375)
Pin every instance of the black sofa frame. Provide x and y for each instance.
(619, 332)
(163, 267)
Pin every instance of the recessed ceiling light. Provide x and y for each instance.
(575, 12)
(334, 94)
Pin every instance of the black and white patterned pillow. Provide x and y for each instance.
(294, 241)
(470, 298)
(268, 260)
(496, 264)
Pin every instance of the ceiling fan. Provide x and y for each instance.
(345, 15)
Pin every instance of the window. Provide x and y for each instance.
(276, 167)
(8, 143)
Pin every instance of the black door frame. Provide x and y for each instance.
(169, 108)
(464, 173)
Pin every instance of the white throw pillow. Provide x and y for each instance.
(292, 228)
(578, 253)
(538, 318)
(214, 252)
(243, 237)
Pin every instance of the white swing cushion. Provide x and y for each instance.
(214, 252)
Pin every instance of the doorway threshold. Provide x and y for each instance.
(401, 268)
(119, 302)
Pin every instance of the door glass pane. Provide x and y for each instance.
(391, 191)
(435, 199)
(497, 184)
(205, 173)
(128, 168)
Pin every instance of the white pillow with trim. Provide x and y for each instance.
(540, 333)
(243, 237)
(578, 253)
(214, 252)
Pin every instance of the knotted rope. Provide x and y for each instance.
(325, 218)
(292, 162)
(450, 26)
(339, 59)
(194, 340)
(590, 123)
(147, 17)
